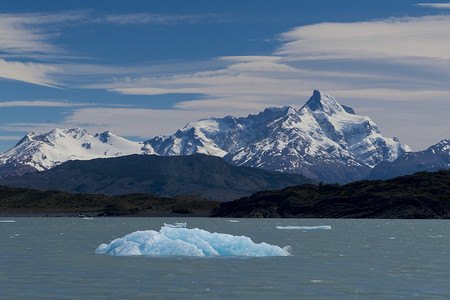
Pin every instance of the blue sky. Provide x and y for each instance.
(144, 68)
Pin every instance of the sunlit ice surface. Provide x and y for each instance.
(188, 242)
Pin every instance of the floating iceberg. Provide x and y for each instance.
(176, 225)
(188, 242)
(7, 221)
(304, 227)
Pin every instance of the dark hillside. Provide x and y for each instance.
(201, 175)
(422, 195)
(26, 202)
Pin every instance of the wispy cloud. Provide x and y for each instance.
(435, 5)
(36, 73)
(31, 33)
(425, 37)
(162, 19)
(42, 103)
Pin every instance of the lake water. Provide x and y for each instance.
(53, 258)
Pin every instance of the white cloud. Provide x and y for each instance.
(421, 37)
(36, 73)
(30, 33)
(435, 5)
(41, 103)
(386, 94)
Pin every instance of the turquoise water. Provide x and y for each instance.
(53, 258)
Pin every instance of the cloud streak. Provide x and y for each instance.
(435, 5)
(42, 103)
(160, 19)
(30, 72)
(421, 37)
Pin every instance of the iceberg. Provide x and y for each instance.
(176, 225)
(304, 227)
(7, 221)
(188, 242)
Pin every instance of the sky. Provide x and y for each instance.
(147, 68)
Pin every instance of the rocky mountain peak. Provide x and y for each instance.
(321, 102)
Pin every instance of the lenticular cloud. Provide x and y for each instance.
(188, 242)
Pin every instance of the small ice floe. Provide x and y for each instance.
(304, 227)
(7, 221)
(233, 221)
(87, 218)
(175, 225)
(174, 241)
(436, 236)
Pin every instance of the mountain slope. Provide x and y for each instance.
(26, 202)
(436, 157)
(422, 195)
(42, 152)
(201, 175)
(322, 140)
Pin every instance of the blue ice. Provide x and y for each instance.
(188, 242)
(304, 227)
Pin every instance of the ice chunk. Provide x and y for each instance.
(304, 227)
(7, 221)
(176, 225)
(188, 242)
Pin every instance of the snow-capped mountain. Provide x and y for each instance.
(322, 140)
(41, 152)
(434, 158)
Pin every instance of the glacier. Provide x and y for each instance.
(188, 242)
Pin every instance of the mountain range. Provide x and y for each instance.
(322, 140)
(432, 159)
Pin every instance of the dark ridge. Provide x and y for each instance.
(423, 195)
(27, 202)
(201, 175)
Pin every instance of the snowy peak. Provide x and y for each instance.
(321, 138)
(322, 102)
(441, 147)
(436, 157)
(44, 151)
